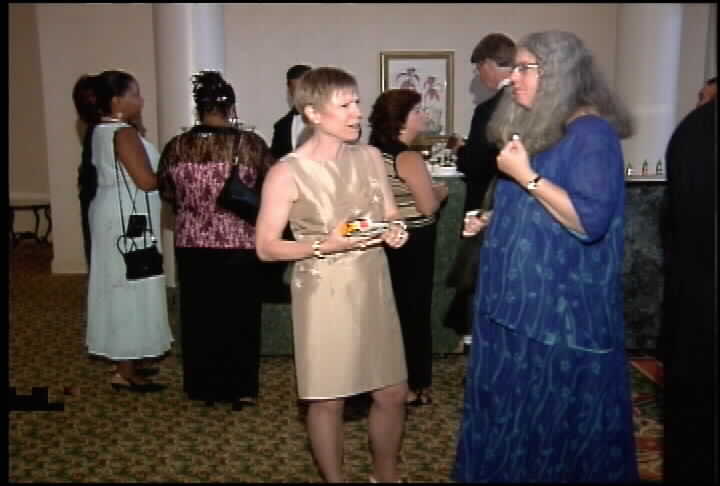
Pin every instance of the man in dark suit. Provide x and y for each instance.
(688, 346)
(288, 129)
(493, 57)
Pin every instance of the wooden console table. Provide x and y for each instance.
(36, 206)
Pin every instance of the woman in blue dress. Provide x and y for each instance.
(547, 394)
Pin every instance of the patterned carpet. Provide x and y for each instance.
(102, 435)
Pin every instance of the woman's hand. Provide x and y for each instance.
(336, 242)
(514, 161)
(396, 235)
(475, 221)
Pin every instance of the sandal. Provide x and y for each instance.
(421, 398)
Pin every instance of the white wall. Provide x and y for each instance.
(262, 41)
(74, 40)
(696, 27)
(27, 147)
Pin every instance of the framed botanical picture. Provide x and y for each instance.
(430, 73)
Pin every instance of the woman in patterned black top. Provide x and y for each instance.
(218, 270)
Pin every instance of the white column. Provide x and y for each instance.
(711, 53)
(188, 38)
(648, 47)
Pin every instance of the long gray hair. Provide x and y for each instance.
(569, 80)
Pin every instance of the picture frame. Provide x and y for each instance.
(430, 73)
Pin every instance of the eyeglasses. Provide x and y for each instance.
(492, 63)
(524, 68)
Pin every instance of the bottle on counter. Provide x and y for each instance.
(628, 170)
(644, 169)
(659, 168)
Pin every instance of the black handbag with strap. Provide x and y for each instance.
(235, 195)
(140, 262)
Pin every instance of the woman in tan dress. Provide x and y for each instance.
(346, 329)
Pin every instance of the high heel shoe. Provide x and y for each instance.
(421, 398)
(373, 480)
(147, 372)
(129, 385)
(239, 404)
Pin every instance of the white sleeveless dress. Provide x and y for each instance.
(125, 319)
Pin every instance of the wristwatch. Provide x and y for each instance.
(533, 183)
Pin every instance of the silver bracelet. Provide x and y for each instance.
(401, 223)
(317, 253)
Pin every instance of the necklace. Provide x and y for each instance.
(111, 119)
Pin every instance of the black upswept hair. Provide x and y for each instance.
(212, 94)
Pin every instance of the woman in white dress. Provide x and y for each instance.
(127, 321)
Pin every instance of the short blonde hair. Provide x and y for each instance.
(316, 87)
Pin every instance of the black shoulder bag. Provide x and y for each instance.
(140, 262)
(235, 195)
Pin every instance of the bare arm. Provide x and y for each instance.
(395, 236)
(131, 153)
(278, 194)
(412, 169)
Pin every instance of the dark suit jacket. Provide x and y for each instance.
(477, 158)
(688, 340)
(282, 135)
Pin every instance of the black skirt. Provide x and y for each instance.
(220, 311)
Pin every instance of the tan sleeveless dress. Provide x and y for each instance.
(345, 325)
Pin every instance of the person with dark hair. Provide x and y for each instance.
(127, 321)
(289, 129)
(688, 338)
(547, 395)
(397, 119)
(493, 57)
(708, 92)
(217, 268)
(345, 324)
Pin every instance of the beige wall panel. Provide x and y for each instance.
(696, 17)
(77, 39)
(27, 151)
(263, 40)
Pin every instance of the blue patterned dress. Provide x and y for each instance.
(548, 394)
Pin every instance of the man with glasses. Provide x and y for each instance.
(493, 58)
